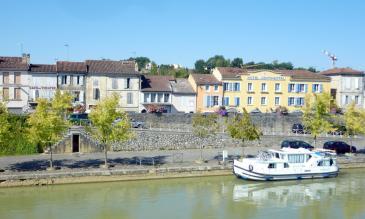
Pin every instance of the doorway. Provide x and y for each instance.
(75, 143)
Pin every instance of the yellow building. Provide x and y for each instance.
(267, 90)
(208, 90)
(232, 87)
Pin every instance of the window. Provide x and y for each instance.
(166, 98)
(291, 101)
(95, 83)
(296, 158)
(236, 101)
(5, 93)
(128, 83)
(215, 101)
(225, 86)
(153, 98)
(96, 93)
(129, 98)
(236, 87)
(286, 165)
(78, 79)
(263, 87)
(17, 78)
(249, 87)
(272, 166)
(77, 96)
(226, 101)
(301, 88)
(263, 101)
(315, 88)
(249, 100)
(36, 94)
(277, 101)
(114, 83)
(146, 97)
(17, 94)
(6, 78)
(346, 99)
(207, 87)
(71, 79)
(64, 79)
(356, 99)
(300, 101)
(277, 87)
(291, 87)
(159, 98)
(215, 87)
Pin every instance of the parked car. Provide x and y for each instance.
(296, 144)
(339, 130)
(79, 118)
(298, 128)
(339, 146)
(137, 124)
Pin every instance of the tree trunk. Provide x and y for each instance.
(243, 149)
(315, 141)
(51, 158)
(106, 156)
(201, 152)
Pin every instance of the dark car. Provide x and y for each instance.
(296, 144)
(79, 118)
(339, 130)
(298, 128)
(339, 146)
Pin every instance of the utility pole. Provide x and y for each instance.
(67, 51)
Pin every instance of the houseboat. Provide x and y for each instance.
(287, 164)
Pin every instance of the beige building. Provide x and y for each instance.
(107, 77)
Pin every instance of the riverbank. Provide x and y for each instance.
(133, 172)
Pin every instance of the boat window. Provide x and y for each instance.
(286, 165)
(272, 165)
(309, 157)
(277, 155)
(320, 163)
(296, 158)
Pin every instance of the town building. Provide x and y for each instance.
(209, 92)
(347, 86)
(156, 94)
(14, 82)
(43, 83)
(71, 77)
(183, 96)
(269, 90)
(106, 77)
(232, 83)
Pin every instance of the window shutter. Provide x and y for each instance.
(289, 90)
(205, 102)
(306, 88)
(219, 100)
(288, 101)
(320, 88)
(125, 83)
(238, 86)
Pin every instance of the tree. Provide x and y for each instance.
(141, 62)
(316, 117)
(61, 103)
(205, 126)
(237, 62)
(109, 125)
(217, 61)
(154, 69)
(47, 126)
(201, 66)
(4, 125)
(354, 121)
(243, 129)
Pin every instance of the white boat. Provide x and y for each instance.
(287, 164)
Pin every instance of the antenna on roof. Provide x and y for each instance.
(333, 57)
(21, 48)
(67, 50)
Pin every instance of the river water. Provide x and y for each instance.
(203, 197)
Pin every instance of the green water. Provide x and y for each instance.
(206, 197)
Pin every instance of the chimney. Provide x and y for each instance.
(26, 58)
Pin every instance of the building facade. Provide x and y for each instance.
(347, 86)
(14, 82)
(183, 96)
(106, 77)
(209, 92)
(43, 83)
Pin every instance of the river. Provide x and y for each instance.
(202, 197)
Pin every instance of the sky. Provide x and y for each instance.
(181, 32)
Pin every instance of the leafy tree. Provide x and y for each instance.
(242, 128)
(109, 125)
(316, 117)
(204, 126)
(47, 126)
(217, 61)
(354, 120)
(4, 125)
(237, 62)
(141, 62)
(61, 103)
(200, 66)
(154, 69)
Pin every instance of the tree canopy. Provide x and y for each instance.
(141, 61)
(205, 125)
(243, 129)
(354, 120)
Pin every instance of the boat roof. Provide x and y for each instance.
(291, 151)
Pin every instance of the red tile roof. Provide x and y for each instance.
(157, 83)
(230, 72)
(342, 71)
(43, 68)
(304, 75)
(201, 79)
(13, 63)
(111, 67)
(73, 67)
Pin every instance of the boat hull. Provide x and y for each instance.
(252, 175)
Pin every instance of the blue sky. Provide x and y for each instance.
(171, 31)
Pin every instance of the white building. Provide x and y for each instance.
(106, 77)
(183, 96)
(347, 86)
(43, 83)
(14, 82)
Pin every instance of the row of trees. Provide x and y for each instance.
(204, 66)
